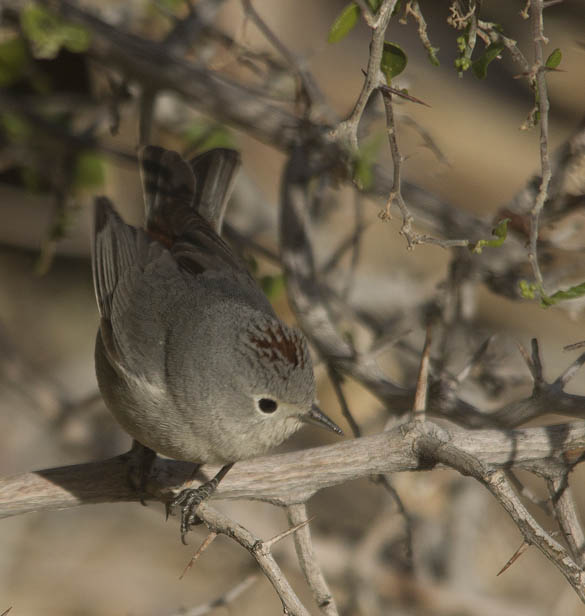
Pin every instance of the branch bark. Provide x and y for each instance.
(291, 478)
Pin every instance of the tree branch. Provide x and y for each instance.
(290, 478)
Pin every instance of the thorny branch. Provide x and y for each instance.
(543, 107)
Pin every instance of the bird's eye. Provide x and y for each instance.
(267, 405)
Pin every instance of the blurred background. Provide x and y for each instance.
(69, 130)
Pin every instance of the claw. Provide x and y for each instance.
(190, 499)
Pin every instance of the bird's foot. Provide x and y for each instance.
(190, 499)
(139, 464)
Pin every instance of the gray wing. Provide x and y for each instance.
(134, 278)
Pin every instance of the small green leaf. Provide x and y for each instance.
(500, 232)
(13, 61)
(491, 52)
(564, 294)
(393, 62)
(554, 59)
(344, 23)
(273, 286)
(89, 170)
(47, 32)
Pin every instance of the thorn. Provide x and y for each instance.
(208, 540)
(293, 529)
(523, 547)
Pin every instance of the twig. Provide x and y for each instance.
(474, 360)
(563, 379)
(297, 518)
(224, 600)
(384, 480)
(343, 247)
(527, 493)
(413, 8)
(307, 87)
(345, 410)
(348, 130)
(497, 483)
(217, 522)
(396, 192)
(567, 517)
(543, 108)
(395, 195)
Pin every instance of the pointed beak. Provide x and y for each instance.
(318, 418)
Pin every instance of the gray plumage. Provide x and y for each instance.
(188, 345)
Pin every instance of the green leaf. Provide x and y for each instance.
(554, 59)
(500, 232)
(89, 170)
(273, 286)
(564, 294)
(344, 23)
(48, 33)
(480, 66)
(394, 60)
(13, 61)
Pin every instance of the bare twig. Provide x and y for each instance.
(543, 107)
(217, 522)
(336, 381)
(566, 515)
(223, 601)
(497, 483)
(528, 494)
(297, 518)
(348, 130)
(308, 89)
(410, 235)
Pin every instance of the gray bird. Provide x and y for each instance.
(190, 356)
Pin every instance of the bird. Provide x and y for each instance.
(191, 358)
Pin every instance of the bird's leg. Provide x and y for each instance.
(140, 462)
(188, 500)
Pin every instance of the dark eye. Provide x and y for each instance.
(267, 405)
